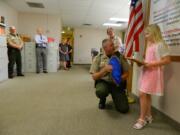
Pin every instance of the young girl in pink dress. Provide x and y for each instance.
(151, 78)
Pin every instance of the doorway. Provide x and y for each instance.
(68, 33)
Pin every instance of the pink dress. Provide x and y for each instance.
(151, 79)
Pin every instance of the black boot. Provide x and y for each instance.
(10, 76)
(20, 74)
(45, 72)
(102, 104)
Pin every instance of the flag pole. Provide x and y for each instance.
(131, 72)
(146, 22)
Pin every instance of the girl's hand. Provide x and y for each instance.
(149, 65)
(141, 64)
(165, 60)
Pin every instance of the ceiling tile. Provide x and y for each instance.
(77, 12)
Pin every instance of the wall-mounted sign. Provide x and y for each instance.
(166, 13)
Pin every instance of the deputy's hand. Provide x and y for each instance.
(108, 68)
(19, 47)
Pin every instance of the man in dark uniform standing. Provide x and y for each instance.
(15, 45)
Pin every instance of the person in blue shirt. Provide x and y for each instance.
(41, 51)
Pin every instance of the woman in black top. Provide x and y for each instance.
(64, 56)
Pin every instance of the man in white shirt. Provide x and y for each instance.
(41, 51)
(116, 40)
(119, 51)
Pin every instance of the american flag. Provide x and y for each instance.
(135, 27)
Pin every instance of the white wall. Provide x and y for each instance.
(169, 104)
(29, 22)
(10, 14)
(91, 38)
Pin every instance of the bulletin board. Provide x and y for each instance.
(166, 13)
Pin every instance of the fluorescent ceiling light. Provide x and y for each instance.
(112, 24)
(119, 19)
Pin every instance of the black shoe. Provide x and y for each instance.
(45, 72)
(102, 104)
(10, 76)
(20, 75)
(38, 72)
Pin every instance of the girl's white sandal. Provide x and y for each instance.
(149, 119)
(140, 124)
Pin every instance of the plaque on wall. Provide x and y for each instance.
(166, 13)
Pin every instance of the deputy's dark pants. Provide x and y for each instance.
(14, 56)
(103, 89)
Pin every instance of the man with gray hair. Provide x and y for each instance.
(14, 44)
(119, 47)
(101, 73)
(41, 51)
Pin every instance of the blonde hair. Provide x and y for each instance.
(155, 33)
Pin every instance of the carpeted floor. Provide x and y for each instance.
(64, 103)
